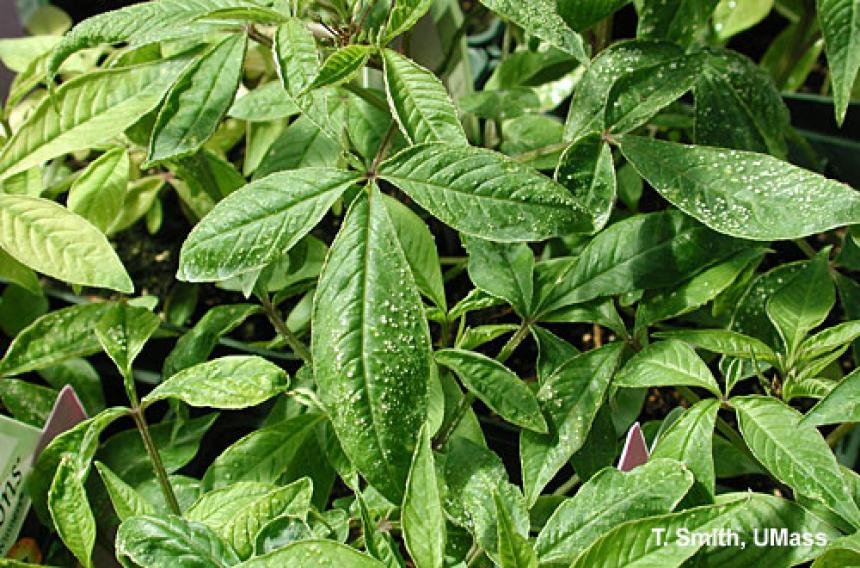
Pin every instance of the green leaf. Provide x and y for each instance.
(840, 25)
(540, 18)
(553, 352)
(771, 515)
(198, 100)
(371, 346)
(98, 193)
(724, 189)
(737, 104)
(500, 104)
(419, 247)
(507, 202)
(263, 455)
(842, 552)
(635, 59)
(27, 402)
(679, 21)
(841, 405)
(689, 440)
(515, 551)
(582, 14)
(607, 500)
(284, 207)
(313, 554)
(731, 18)
(421, 515)
(16, 273)
(804, 302)
(794, 452)
(126, 501)
(53, 338)
(87, 111)
(496, 385)
(301, 145)
(830, 339)
(231, 382)
(419, 102)
(667, 363)
(404, 15)
(265, 103)
(474, 337)
(570, 399)
(122, 332)
(587, 170)
(697, 291)
(143, 24)
(197, 344)
(473, 474)
(159, 542)
(723, 341)
(70, 511)
(47, 237)
(79, 442)
(643, 252)
(237, 514)
(503, 270)
(637, 543)
(341, 66)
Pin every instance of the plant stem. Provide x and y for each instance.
(839, 432)
(565, 487)
(448, 427)
(805, 247)
(277, 321)
(383, 148)
(722, 426)
(259, 36)
(155, 458)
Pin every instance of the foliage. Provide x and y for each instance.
(379, 269)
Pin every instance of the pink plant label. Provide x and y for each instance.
(635, 452)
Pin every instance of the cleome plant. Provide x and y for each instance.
(372, 283)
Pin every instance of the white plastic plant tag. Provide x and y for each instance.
(635, 452)
(18, 441)
(20, 445)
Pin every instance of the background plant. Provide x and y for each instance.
(629, 227)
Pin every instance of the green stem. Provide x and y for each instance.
(805, 247)
(274, 316)
(448, 427)
(155, 459)
(383, 148)
(567, 486)
(839, 432)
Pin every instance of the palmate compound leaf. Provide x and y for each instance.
(608, 499)
(231, 382)
(50, 239)
(371, 346)
(484, 194)
(795, 453)
(743, 194)
(88, 110)
(259, 222)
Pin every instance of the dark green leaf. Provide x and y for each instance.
(587, 170)
(726, 189)
(503, 270)
(341, 66)
(680, 21)
(286, 206)
(841, 405)
(372, 357)
(507, 202)
(421, 515)
(838, 20)
(496, 385)
(667, 363)
(570, 399)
